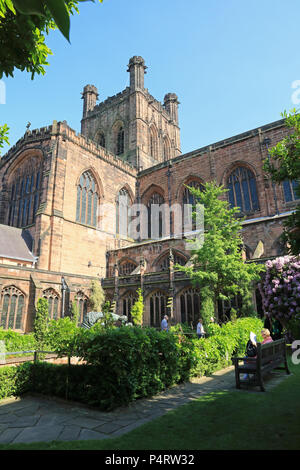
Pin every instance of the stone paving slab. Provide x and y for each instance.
(43, 419)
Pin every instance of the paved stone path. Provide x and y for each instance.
(38, 419)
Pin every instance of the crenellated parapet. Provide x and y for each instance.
(66, 133)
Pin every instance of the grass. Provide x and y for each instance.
(235, 420)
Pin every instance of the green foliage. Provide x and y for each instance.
(15, 381)
(4, 135)
(15, 342)
(97, 296)
(24, 25)
(131, 362)
(41, 323)
(137, 309)
(283, 163)
(61, 336)
(75, 313)
(224, 342)
(217, 264)
(207, 307)
(247, 309)
(106, 308)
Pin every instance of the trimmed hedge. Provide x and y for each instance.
(15, 381)
(17, 341)
(128, 363)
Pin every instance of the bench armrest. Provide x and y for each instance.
(236, 359)
(245, 358)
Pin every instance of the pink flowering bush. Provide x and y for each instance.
(280, 289)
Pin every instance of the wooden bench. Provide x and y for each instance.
(269, 356)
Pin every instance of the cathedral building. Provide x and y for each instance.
(67, 202)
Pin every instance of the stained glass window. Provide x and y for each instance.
(126, 267)
(163, 263)
(87, 200)
(290, 190)
(189, 206)
(190, 306)
(82, 303)
(11, 308)
(242, 190)
(25, 196)
(53, 302)
(158, 303)
(128, 302)
(155, 216)
(122, 214)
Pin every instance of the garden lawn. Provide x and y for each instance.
(235, 420)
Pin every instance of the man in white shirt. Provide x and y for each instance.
(200, 329)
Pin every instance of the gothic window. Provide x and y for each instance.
(126, 268)
(153, 142)
(166, 150)
(158, 308)
(190, 306)
(122, 215)
(163, 263)
(290, 190)
(25, 193)
(189, 205)
(87, 200)
(120, 141)
(155, 216)
(53, 302)
(82, 304)
(127, 303)
(225, 306)
(101, 139)
(242, 190)
(11, 308)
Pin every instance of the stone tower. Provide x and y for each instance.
(132, 124)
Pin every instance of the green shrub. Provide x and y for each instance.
(122, 364)
(137, 309)
(17, 341)
(61, 336)
(215, 352)
(41, 323)
(15, 381)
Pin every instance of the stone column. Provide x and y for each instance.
(89, 96)
(137, 70)
(171, 105)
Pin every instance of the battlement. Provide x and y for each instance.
(108, 102)
(62, 128)
(111, 100)
(30, 136)
(67, 133)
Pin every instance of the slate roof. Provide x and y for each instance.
(15, 243)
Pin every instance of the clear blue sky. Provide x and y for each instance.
(231, 62)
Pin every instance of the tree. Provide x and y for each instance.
(137, 309)
(75, 313)
(280, 291)
(217, 266)
(24, 24)
(97, 296)
(41, 323)
(3, 135)
(283, 164)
